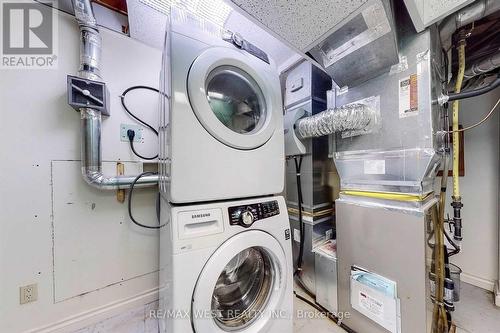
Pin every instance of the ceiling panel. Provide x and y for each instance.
(300, 22)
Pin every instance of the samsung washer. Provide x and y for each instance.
(226, 267)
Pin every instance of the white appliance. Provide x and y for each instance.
(222, 129)
(226, 267)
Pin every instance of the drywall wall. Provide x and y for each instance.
(479, 190)
(75, 242)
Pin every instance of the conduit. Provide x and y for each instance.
(90, 61)
(456, 105)
(352, 117)
(457, 204)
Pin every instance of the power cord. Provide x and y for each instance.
(131, 133)
(131, 136)
(147, 173)
(298, 165)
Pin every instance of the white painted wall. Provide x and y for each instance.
(75, 242)
(479, 190)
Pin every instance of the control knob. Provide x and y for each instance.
(246, 218)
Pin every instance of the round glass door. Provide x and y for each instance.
(236, 99)
(242, 289)
(241, 285)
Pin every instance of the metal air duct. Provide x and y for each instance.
(483, 66)
(467, 15)
(352, 117)
(90, 61)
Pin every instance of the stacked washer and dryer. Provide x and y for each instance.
(225, 249)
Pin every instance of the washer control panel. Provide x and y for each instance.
(246, 215)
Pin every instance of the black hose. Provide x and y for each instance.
(475, 92)
(456, 248)
(130, 203)
(298, 165)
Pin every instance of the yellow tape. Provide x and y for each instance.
(456, 107)
(325, 212)
(388, 195)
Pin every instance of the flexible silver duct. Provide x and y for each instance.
(484, 66)
(464, 16)
(90, 61)
(352, 117)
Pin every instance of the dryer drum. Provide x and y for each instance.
(236, 99)
(243, 288)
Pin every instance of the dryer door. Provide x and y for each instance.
(241, 286)
(232, 98)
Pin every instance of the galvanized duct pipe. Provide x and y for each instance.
(90, 61)
(464, 16)
(352, 117)
(483, 66)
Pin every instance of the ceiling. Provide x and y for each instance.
(302, 23)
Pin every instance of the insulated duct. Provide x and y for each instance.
(467, 15)
(90, 61)
(483, 66)
(351, 117)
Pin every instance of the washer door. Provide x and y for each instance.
(231, 99)
(241, 286)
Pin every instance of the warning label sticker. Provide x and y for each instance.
(296, 235)
(408, 96)
(371, 304)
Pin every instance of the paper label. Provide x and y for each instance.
(296, 235)
(371, 304)
(408, 96)
(374, 167)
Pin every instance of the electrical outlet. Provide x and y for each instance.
(137, 129)
(28, 293)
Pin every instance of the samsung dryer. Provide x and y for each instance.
(226, 267)
(222, 120)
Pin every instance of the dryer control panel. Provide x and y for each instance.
(246, 215)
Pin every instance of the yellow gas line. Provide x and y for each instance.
(387, 195)
(456, 143)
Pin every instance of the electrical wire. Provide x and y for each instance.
(139, 155)
(479, 123)
(475, 92)
(131, 137)
(298, 165)
(147, 173)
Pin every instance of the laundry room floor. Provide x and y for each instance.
(476, 313)
(302, 322)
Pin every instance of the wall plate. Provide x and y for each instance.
(138, 132)
(28, 294)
